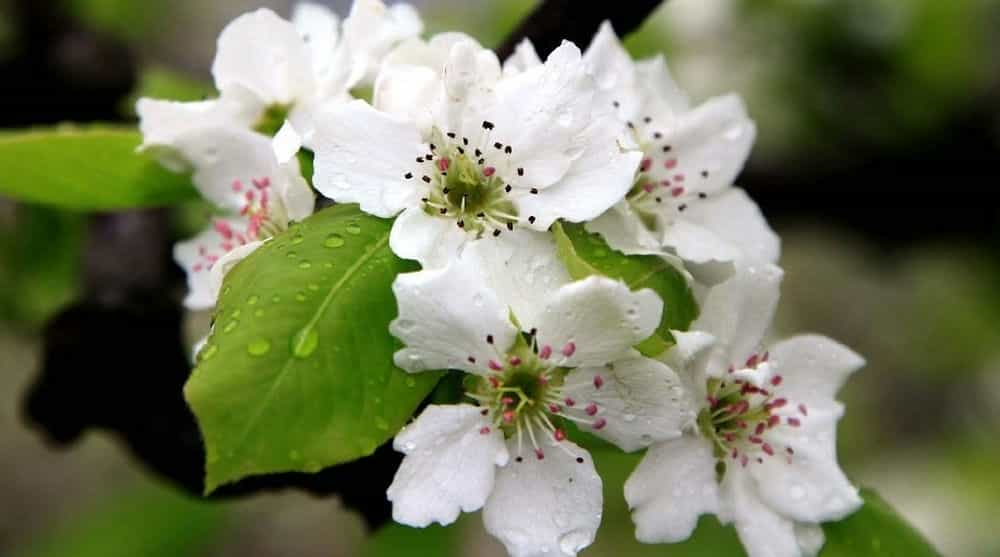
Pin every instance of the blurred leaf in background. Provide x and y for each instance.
(39, 262)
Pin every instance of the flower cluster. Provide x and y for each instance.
(479, 160)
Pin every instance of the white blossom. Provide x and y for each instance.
(258, 196)
(460, 153)
(763, 454)
(268, 69)
(683, 197)
(559, 352)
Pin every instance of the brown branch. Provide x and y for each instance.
(576, 21)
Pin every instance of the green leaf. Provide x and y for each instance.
(586, 254)
(151, 521)
(91, 169)
(875, 530)
(298, 373)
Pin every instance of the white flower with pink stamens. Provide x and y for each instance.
(560, 354)
(763, 454)
(682, 198)
(259, 196)
(267, 69)
(460, 153)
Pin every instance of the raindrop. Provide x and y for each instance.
(207, 352)
(291, 255)
(353, 228)
(565, 118)
(259, 347)
(258, 313)
(275, 299)
(334, 241)
(298, 239)
(410, 382)
(300, 297)
(253, 299)
(231, 326)
(572, 542)
(381, 423)
(796, 492)
(409, 446)
(304, 342)
(305, 265)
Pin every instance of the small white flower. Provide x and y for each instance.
(267, 68)
(763, 455)
(682, 197)
(460, 153)
(259, 196)
(561, 352)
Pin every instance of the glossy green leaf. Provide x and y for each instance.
(91, 169)
(877, 531)
(586, 254)
(298, 373)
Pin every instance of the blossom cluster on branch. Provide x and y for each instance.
(482, 163)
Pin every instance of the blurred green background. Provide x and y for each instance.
(842, 90)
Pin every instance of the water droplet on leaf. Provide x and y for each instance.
(304, 342)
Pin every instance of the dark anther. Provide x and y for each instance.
(507, 188)
(420, 159)
(498, 145)
(487, 125)
(507, 149)
(520, 172)
(451, 135)
(534, 191)
(510, 226)
(531, 219)
(682, 207)
(479, 153)
(489, 339)
(496, 233)
(666, 148)
(408, 175)
(426, 179)
(443, 210)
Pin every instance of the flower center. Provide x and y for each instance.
(524, 392)
(739, 414)
(661, 186)
(266, 217)
(465, 182)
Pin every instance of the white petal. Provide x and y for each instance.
(263, 53)
(524, 58)
(809, 486)
(410, 92)
(810, 538)
(673, 485)
(468, 77)
(542, 114)
(614, 71)
(431, 240)
(227, 162)
(299, 199)
(640, 399)
(451, 457)
(735, 219)
(697, 244)
(623, 230)
(162, 122)
(445, 317)
(371, 31)
(738, 313)
(546, 507)
(813, 368)
(287, 142)
(764, 533)
(592, 184)
(362, 156)
(709, 145)
(599, 318)
(226, 263)
(688, 357)
(319, 28)
(198, 255)
(523, 268)
(653, 76)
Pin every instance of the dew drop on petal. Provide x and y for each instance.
(572, 542)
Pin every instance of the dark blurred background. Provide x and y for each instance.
(879, 135)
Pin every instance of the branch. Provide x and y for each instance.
(576, 21)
